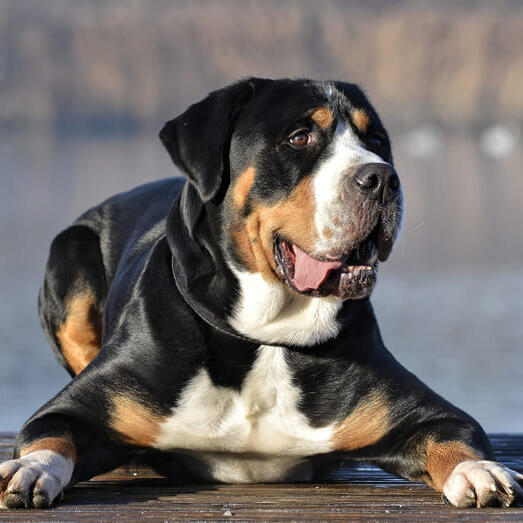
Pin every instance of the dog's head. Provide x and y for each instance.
(303, 173)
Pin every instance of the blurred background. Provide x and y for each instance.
(85, 87)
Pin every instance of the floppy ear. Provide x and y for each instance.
(198, 140)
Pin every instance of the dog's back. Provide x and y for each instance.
(85, 259)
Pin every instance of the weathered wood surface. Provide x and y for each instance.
(360, 493)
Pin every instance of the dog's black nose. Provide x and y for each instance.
(378, 180)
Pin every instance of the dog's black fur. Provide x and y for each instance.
(145, 284)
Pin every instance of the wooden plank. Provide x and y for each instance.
(362, 493)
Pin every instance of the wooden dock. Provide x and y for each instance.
(357, 493)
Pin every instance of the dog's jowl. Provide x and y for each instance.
(221, 326)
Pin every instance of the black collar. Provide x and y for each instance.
(198, 266)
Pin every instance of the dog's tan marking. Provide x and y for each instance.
(261, 257)
(136, 423)
(245, 246)
(327, 233)
(292, 218)
(364, 426)
(242, 187)
(442, 458)
(63, 445)
(80, 335)
(323, 117)
(361, 120)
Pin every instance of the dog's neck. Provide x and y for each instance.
(261, 312)
(203, 279)
(270, 312)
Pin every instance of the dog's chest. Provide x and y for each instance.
(240, 433)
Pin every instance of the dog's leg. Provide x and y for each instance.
(454, 457)
(66, 441)
(42, 470)
(483, 483)
(72, 297)
(407, 429)
(457, 468)
(52, 453)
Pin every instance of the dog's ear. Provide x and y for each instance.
(198, 139)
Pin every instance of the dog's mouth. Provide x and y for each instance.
(352, 276)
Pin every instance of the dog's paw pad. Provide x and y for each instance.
(482, 484)
(15, 500)
(34, 480)
(40, 499)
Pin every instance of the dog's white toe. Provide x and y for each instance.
(34, 480)
(483, 483)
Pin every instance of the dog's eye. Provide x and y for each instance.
(376, 141)
(300, 139)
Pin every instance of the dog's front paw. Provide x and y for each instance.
(483, 484)
(34, 480)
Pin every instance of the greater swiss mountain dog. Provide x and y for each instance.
(221, 328)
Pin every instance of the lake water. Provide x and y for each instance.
(449, 302)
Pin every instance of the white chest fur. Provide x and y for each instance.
(255, 434)
(270, 312)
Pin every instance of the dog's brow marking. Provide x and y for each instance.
(80, 335)
(61, 445)
(364, 426)
(442, 458)
(242, 187)
(361, 120)
(323, 117)
(136, 423)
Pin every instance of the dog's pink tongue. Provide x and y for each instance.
(310, 273)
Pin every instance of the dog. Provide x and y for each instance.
(220, 327)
